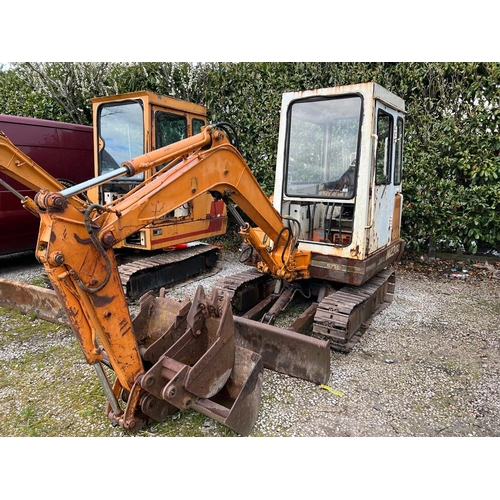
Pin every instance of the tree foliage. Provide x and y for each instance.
(452, 162)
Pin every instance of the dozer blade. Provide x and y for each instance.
(284, 351)
(30, 299)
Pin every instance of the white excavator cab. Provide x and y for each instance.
(338, 177)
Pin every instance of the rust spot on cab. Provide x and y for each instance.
(354, 252)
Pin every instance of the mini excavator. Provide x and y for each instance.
(330, 235)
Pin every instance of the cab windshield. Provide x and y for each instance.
(121, 132)
(323, 143)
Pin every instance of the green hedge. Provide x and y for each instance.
(451, 157)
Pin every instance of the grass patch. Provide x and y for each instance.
(491, 306)
(18, 326)
(48, 389)
(41, 281)
(27, 419)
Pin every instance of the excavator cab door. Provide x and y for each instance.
(385, 192)
(317, 181)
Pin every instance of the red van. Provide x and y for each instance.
(64, 150)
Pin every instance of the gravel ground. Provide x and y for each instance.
(428, 366)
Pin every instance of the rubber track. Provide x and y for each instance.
(231, 286)
(344, 316)
(158, 263)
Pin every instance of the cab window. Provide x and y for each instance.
(322, 146)
(384, 147)
(170, 128)
(197, 124)
(121, 132)
(398, 167)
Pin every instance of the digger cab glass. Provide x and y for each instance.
(121, 135)
(170, 128)
(322, 147)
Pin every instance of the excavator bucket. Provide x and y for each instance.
(237, 405)
(196, 363)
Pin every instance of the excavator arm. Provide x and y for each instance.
(217, 167)
(156, 372)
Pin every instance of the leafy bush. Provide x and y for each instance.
(451, 165)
